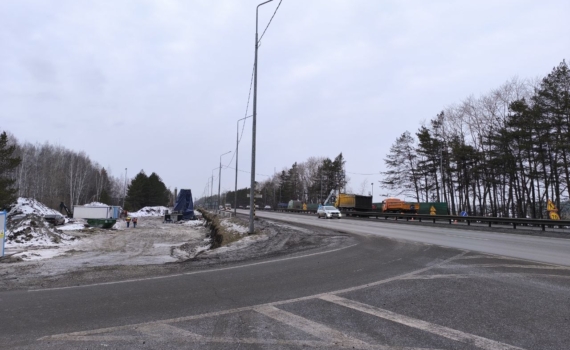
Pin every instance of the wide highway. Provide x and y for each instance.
(390, 286)
(535, 248)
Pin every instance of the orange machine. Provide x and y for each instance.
(395, 205)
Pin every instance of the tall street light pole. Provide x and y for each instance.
(252, 189)
(125, 194)
(220, 178)
(212, 189)
(237, 148)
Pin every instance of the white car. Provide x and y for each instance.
(328, 212)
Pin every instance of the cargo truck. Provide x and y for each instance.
(395, 205)
(88, 212)
(356, 202)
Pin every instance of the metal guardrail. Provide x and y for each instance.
(543, 223)
(514, 222)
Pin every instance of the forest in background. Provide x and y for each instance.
(53, 174)
(310, 182)
(503, 154)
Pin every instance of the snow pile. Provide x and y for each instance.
(26, 226)
(30, 206)
(234, 227)
(96, 204)
(150, 211)
(194, 223)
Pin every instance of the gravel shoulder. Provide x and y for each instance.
(154, 248)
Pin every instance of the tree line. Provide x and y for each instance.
(310, 182)
(53, 174)
(505, 153)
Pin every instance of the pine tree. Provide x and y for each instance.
(8, 162)
(402, 176)
(136, 192)
(146, 191)
(158, 194)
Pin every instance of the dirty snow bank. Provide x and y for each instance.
(235, 227)
(96, 204)
(150, 211)
(26, 226)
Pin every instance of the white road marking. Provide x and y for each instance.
(446, 332)
(313, 328)
(490, 256)
(195, 272)
(481, 275)
(247, 308)
(538, 267)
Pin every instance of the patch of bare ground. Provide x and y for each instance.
(158, 249)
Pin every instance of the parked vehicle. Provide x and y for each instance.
(267, 207)
(328, 212)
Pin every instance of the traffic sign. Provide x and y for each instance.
(550, 206)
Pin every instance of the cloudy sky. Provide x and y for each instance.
(159, 85)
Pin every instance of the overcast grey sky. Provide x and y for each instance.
(159, 85)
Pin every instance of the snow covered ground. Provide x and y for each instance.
(39, 255)
(30, 238)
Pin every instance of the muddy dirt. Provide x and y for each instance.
(154, 248)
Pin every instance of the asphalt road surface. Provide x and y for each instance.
(376, 293)
(535, 248)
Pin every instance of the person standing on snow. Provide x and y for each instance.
(128, 219)
(135, 222)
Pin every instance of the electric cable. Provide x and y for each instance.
(277, 8)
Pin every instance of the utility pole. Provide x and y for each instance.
(125, 193)
(237, 148)
(220, 178)
(252, 189)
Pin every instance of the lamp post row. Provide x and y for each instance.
(253, 141)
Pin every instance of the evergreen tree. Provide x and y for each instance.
(146, 191)
(8, 162)
(158, 194)
(136, 192)
(402, 176)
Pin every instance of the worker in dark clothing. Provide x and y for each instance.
(135, 220)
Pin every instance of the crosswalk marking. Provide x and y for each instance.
(313, 328)
(449, 333)
(328, 336)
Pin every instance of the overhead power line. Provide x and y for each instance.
(277, 8)
(348, 172)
